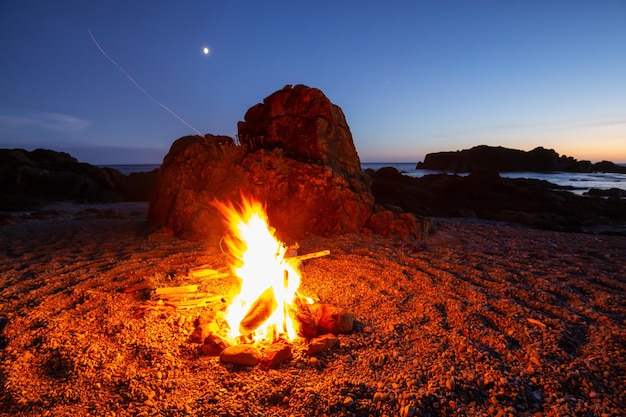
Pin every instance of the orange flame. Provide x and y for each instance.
(269, 282)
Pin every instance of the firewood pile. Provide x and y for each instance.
(317, 323)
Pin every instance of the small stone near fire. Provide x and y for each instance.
(315, 362)
(321, 344)
(275, 355)
(201, 332)
(348, 401)
(244, 355)
(205, 317)
(331, 319)
(214, 345)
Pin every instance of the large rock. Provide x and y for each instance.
(307, 127)
(296, 156)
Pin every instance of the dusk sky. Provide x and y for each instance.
(412, 77)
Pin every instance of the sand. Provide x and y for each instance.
(480, 318)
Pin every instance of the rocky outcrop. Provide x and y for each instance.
(307, 127)
(29, 179)
(502, 159)
(485, 195)
(296, 157)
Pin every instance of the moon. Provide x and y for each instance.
(205, 50)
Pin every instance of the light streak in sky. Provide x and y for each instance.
(93, 38)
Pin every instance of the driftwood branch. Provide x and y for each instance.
(177, 290)
(204, 271)
(537, 322)
(311, 255)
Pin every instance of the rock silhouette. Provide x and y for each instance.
(29, 179)
(500, 159)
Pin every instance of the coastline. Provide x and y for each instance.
(480, 318)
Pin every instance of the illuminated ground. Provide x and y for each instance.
(479, 319)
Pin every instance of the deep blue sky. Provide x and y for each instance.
(412, 77)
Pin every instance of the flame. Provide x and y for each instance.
(269, 282)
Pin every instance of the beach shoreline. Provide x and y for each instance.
(480, 318)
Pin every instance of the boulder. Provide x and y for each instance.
(307, 127)
(296, 157)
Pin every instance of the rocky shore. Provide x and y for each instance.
(480, 318)
(487, 195)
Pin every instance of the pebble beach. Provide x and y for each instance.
(480, 318)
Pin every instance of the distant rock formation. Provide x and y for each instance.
(500, 159)
(30, 179)
(296, 156)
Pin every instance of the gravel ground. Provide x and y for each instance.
(480, 318)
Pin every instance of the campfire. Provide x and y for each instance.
(268, 312)
(268, 304)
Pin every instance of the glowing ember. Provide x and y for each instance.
(269, 282)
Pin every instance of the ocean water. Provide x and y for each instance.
(130, 168)
(581, 182)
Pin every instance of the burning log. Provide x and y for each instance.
(301, 314)
(261, 309)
